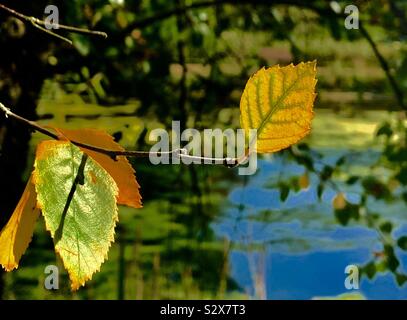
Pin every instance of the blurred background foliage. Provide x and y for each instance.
(189, 61)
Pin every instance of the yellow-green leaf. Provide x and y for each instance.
(78, 200)
(339, 201)
(16, 235)
(119, 169)
(278, 103)
(303, 181)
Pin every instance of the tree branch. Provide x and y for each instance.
(180, 153)
(383, 63)
(40, 24)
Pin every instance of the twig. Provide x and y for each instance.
(181, 153)
(40, 24)
(53, 34)
(74, 29)
(383, 63)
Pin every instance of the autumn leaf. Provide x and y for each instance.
(77, 198)
(16, 235)
(339, 201)
(303, 181)
(120, 170)
(278, 102)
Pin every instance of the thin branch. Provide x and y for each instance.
(74, 29)
(53, 34)
(31, 124)
(385, 66)
(41, 25)
(16, 13)
(180, 153)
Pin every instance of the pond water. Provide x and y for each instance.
(303, 252)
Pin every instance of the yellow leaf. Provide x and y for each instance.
(303, 181)
(339, 202)
(16, 235)
(121, 171)
(278, 102)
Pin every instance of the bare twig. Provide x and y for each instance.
(53, 34)
(181, 153)
(41, 25)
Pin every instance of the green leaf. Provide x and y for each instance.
(284, 191)
(386, 227)
(352, 180)
(385, 130)
(348, 212)
(369, 269)
(326, 173)
(401, 279)
(78, 201)
(391, 259)
(320, 190)
(340, 161)
(402, 242)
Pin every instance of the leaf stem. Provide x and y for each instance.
(181, 153)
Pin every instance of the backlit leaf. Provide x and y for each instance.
(78, 201)
(303, 181)
(16, 235)
(120, 170)
(339, 201)
(278, 102)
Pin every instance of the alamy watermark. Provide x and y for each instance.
(205, 148)
(51, 281)
(352, 20)
(52, 20)
(352, 279)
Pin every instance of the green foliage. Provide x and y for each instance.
(402, 243)
(344, 215)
